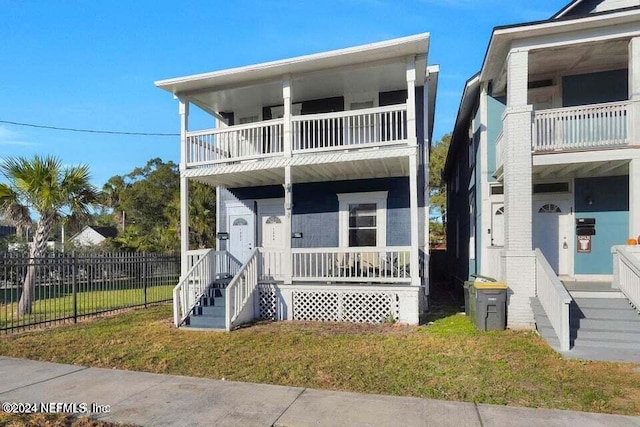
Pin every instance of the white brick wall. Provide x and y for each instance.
(519, 258)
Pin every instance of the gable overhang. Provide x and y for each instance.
(550, 33)
(470, 98)
(380, 52)
(562, 12)
(431, 83)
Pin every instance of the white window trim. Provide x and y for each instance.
(377, 197)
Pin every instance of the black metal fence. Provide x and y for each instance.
(68, 287)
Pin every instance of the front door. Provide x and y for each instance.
(241, 233)
(497, 224)
(272, 237)
(551, 232)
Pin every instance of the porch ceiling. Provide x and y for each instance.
(384, 167)
(580, 170)
(567, 60)
(385, 76)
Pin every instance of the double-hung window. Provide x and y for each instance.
(363, 218)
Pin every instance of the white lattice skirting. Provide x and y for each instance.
(345, 306)
(337, 304)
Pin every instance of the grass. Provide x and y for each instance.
(51, 420)
(447, 359)
(89, 302)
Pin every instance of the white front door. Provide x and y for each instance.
(552, 232)
(241, 232)
(272, 237)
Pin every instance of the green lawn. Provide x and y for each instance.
(448, 359)
(87, 303)
(52, 420)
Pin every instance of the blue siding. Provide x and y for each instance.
(610, 208)
(595, 88)
(495, 109)
(315, 208)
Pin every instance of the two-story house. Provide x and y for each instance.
(543, 171)
(319, 164)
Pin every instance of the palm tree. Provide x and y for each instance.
(45, 186)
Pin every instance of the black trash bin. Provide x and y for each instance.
(490, 306)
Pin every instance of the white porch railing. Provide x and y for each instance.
(270, 264)
(350, 129)
(500, 149)
(555, 300)
(626, 270)
(584, 127)
(235, 143)
(239, 293)
(494, 262)
(390, 264)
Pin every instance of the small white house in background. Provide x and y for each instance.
(92, 235)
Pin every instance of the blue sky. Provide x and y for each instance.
(92, 64)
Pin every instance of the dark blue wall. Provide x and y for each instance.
(610, 208)
(595, 88)
(315, 208)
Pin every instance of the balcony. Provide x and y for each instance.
(574, 129)
(588, 127)
(370, 128)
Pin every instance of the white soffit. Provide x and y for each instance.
(380, 51)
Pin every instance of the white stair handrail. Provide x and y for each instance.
(626, 269)
(193, 285)
(239, 293)
(554, 298)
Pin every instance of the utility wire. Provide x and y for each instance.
(108, 132)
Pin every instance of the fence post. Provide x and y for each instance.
(74, 286)
(144, 277)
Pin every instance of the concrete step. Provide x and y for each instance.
(603, 314)
(200, 323)
(609, 335)
(596, 324)
(597, 294)
(603, 343)
(614, 303)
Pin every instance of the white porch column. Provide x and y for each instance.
(183, 110)
(287, 261)
(412, 137)
(634, 197)
(519, 258)
(482, 231)
(286, 96)
(634, 91)
(414, 212)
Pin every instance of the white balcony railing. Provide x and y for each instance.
(579, 128)
(235, 143)
(350, 129)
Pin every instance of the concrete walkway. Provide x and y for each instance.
(152, 399)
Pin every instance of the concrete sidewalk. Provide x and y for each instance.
(152, 399)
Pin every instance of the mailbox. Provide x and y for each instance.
(585, 226)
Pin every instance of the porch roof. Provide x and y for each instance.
(380, 51)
